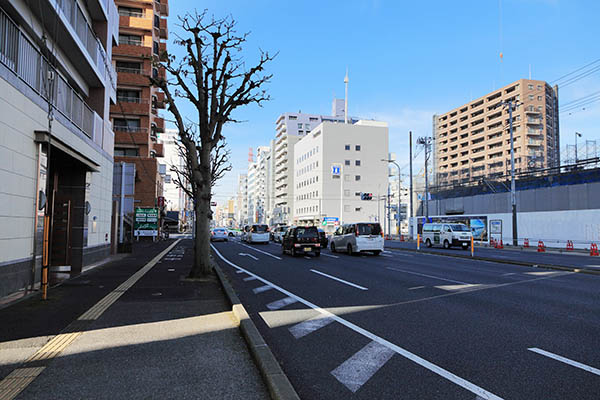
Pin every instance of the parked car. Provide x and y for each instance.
(278, 233)
(447, 235)
(358, 237)
(301, 240)
(256, 233)
(323, 239)
(218, 234)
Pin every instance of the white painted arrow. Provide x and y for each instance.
(248, 255)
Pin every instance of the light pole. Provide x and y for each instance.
(513, 192)
(577, 134)
(398, 210)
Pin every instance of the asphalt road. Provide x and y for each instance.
(566, 259)
(416, 326)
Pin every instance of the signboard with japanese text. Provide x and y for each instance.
(146, 222)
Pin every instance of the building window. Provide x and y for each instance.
(292, 117)
(131, 12)
(357, 163)
(126, 152)
(531, 97)
(299, 125)
(346, 162)
(357, 147)
(357, 209)
(134, 40)
(347, 177)
(539, 98)
(129, 67)
(539, 87)
(156, 21)
(530, 87)
(126, 125)
(347, 147)
(357, 177)
(128, 96)
(155, 48)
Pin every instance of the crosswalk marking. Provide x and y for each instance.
(358, 369)
(276, 305)
(310, 325)
(261, 289)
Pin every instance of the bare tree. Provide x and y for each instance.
(214, 78)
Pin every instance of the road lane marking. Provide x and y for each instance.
(386, 255)
(473, 388)
(239, 272)
(248, 255)
(261, 289)
(428, 276)
(250, 278)
(260, 251)
(339, 280)
(328, 255)
(307, 257)
(276, 305)
(566, 360)
(358, 369)
(309, 326)
(416, 287)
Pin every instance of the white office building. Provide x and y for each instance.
(333, 165)
(241, 206)
(175, 198)
(291, 127)
(258, 175)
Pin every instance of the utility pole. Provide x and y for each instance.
(513, 192)
(389, 222)
(346, 97)
(410, 159)
(426, 143)
(399, 200)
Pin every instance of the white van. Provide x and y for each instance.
(359, 237)
(448, 235)
(256, 234)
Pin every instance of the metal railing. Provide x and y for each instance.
(126, 99)
(138, 71)
(131, 129)
(19, 55)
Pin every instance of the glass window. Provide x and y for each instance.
(357, 177)
(346, 162)
(131, 12)
(357, 163)
(347, 147)
(357, 147)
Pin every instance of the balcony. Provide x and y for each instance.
(162, 51)
(132, 48)
(534, 121)
(535, 143)
(124, 135)
(133, 77)
(160, 99)
(137, 21)
(160, 124)
(164, 30)
(162, 6)
(158, 149)
(131, 106)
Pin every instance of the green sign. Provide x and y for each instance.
(146, 222)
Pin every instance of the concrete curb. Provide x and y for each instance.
(504, 261)
(278, 383)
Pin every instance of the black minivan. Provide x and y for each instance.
(301, 240)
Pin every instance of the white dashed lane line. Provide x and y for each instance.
(261, 289)
(339, 280)
(260, 251)
(465, 384)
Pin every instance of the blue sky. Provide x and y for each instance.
(406, 60)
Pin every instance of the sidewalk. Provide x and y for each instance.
(570, 261)
(164, 337)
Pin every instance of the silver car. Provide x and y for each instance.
(218, 234)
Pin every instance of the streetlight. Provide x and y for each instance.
(399, 208)
(577, 134)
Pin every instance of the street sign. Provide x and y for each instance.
(146, 222)
(336, 169)
(330, 220)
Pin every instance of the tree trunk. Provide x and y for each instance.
(201, 265)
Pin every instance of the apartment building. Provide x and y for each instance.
(291, 127)
(55, 65)
(242, 200)
(333, 165)
(136, 119)
(258, 178)
(472, 141)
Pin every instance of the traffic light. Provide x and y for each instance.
(366, 196)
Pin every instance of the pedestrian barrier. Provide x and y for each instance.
(541, 247)
(526, 243)
(594, 249)
(569, 245)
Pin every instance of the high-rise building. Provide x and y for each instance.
(334, 165)
(176, 199)
(258, 175)
(56, 177)
(291, 127)
(137, 123)
(472, 141)
(242, 200)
